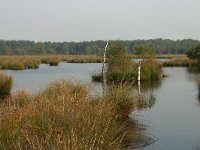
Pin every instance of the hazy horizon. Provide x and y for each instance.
(95, 40)
(90, 20)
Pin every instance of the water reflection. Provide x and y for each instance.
(193, 69)
(198, 102)
(198, 87)
(146, 101)
(151, 85)
(146, 98)
(194, 74)
(171, 105)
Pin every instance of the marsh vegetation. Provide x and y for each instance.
(65, 116)
(6, 83)
(33, 62)
(121, 68)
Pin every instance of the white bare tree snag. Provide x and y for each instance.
(139, 73)
(139, 76)
(103, 67)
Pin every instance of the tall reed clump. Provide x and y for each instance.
(123, 99)
(6, 83)
(125, 102)
(64, 117)
(150, 70)
(122, 74)
(51, 60)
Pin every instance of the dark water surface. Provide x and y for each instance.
(174, 119)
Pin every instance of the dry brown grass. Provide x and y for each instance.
(180, 61)
(81, 58)
(5, 85)
(64, 116)
(33, 62)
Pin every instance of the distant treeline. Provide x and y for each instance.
(162, 46)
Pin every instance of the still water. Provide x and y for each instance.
(33, 80)
(174, 119)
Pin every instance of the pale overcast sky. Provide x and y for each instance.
(79, 20)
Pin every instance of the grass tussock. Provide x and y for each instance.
(181, 61)
(150, 70)
(5, 85)
(33, 62)
(64, 116)
(97, 77)
(123, 99)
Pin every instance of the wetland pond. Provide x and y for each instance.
(174, 119)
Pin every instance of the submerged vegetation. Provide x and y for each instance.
(5, 85)
(65, 116)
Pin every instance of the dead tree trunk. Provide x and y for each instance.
(104, 68)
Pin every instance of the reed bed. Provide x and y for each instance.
(181, 61)
(150, 70)
(19, 62)
(65, 116)
(5, 85)
(33, 62)
(82, 58)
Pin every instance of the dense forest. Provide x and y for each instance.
(162, 46)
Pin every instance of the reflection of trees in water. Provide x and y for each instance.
(193, 69)
(146, 99)
(199, 98)
(150, 85)
(196, 71)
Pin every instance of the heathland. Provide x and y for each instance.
(66, 116)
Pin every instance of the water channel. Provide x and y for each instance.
(174, 119)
